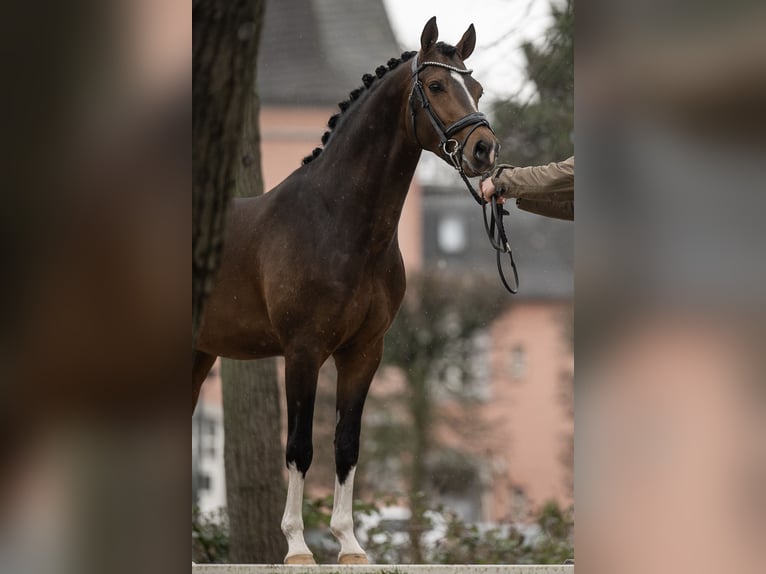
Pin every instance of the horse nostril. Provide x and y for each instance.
(481, 150)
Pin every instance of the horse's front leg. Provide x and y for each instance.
(301, 371)
(356, 368)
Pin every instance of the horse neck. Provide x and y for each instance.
(369, 162)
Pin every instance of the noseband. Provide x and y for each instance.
(453, 149)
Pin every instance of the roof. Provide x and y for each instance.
(314, 52)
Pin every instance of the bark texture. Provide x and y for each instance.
(255, 490)
(224, 52)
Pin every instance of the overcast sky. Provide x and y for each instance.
(501, 27)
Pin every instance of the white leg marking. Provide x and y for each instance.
(459, 80)
(292, 519)
(342, 521)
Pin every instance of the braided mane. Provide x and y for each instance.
(367, 81)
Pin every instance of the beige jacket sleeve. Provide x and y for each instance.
(543, 189)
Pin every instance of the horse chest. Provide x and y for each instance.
(372, 301)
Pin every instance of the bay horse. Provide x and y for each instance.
(313, 269)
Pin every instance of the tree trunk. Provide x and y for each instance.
(254, 461)
(224, 52)
(253, 455)
(420, 408)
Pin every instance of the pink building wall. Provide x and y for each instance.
(530, 407)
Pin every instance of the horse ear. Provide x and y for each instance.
(429, 36)
(467, 43)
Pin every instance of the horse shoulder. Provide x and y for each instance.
(389, 283)
(395, 277)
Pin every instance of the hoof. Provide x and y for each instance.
(353, 559)
(300, 559)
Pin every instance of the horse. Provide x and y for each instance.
(312, 269)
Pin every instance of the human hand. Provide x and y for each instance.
(488, 190)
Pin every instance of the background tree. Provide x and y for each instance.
(252, 450)
(224, 52)
(541, 129)
(434, 332)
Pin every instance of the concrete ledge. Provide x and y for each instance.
(379, 569)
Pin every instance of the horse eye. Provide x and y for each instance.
(435, 87)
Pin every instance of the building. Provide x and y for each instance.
(312, 54)
(208, 476)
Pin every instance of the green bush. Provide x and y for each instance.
(556, 542)
(464, 543)
(505, 544)
(461, 544)
(210, 536)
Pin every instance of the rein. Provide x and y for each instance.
(453, 149)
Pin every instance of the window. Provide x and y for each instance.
(452, 235)
(518, 362)
(480, 373)
(464, 370)
(204, 481)
(519, 503)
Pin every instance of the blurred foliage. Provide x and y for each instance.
(210, 536)
(556, 542)
(468, 544)
(438, 316)
(461, 543)
(464, 543)
(505, 544)
(453, 471)
(541, 130)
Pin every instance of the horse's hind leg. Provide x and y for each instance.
(301, 372)
(201, 364)
(356, 368)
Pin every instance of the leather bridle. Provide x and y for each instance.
(453, 149)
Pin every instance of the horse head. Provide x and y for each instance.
(444, 116)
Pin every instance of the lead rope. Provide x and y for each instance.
(494, 227)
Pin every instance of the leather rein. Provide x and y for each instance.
(453, 149)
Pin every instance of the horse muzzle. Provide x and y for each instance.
(480, 152)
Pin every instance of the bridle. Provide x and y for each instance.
(453, 149)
